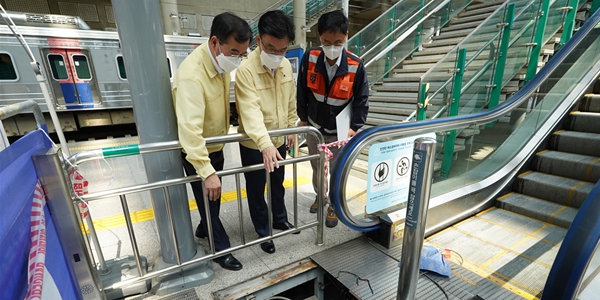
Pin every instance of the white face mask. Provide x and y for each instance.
(228, 63)
(270, 61)
(332, 52)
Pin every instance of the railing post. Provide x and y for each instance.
(502, 55)
(390, 40)
(569, 24)
(420, 27)
(453, 111)
(423, 102)
(534, 55)
(416, 216)
(49, 167)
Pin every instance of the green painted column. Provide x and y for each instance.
(569, 24)
(595, 6)
(502, 55)
(450, 139)
(423, 101)
(534, 56)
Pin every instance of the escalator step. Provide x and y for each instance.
(539, 209)
(590, 103)
(584, 143)
(583, 121)
(575, 166)
(553, 188)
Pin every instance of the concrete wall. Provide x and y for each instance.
(196, 16)
(179, 16)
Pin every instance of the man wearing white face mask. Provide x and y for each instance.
(330, 79)
(265, 95)
(201, 100)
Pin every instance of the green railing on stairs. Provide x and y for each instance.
(314, 9)
(496, 52)
(398, 32)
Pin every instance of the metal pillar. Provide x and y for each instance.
(300, 22)
(142, 42)
(416, 216)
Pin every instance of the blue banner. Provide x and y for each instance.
(18, 180)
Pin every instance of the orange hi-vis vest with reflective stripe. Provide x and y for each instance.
(340, 90)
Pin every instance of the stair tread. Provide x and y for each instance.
(537, 208)
(572, 165)
(554, 188)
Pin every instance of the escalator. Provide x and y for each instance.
(510, 199)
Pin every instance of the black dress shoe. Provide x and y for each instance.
(229, 262)
(200, 232)
(268, 247)
(284, 226)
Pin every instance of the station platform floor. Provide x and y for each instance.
(113, 235)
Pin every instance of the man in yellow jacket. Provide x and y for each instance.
(265, 94)
(201, 100)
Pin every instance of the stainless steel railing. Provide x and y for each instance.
(122, 193)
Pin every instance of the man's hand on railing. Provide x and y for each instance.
(270, 158)
(212, 184)
(303, 123)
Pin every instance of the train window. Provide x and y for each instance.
(7, 67)
(57, 66)
(82, 66)
(121, 66)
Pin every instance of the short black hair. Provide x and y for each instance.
(227, 24)
(277, 24)
(333, 21)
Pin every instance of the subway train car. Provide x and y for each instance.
(84, 69)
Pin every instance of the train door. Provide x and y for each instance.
(72, 78)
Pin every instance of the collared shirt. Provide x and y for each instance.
(331, 70)
(265, 101)
(201, 101)
(214, 61)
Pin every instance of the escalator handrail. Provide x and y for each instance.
(576, 250)
(349, 153)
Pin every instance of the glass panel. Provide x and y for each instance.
(121, 66)
(495, 145)
(486, 149)
(7, 68)
(82, 67)
(57, 67)
(377, 69)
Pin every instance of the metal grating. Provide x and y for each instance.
(87, 12)
(31, 6)
(110, 14)
(371, 261)
(68, 8)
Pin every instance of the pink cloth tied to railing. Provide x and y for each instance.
(328, 156)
